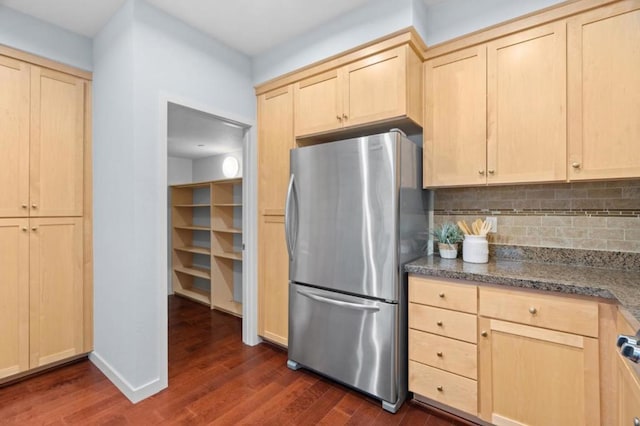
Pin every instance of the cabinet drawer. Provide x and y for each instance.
(446, 388)
(443, 294)
(446, 354)
(443, 322)
(553, 312)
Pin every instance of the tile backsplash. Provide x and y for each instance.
(584, 215)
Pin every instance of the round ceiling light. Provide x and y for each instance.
(230, 167)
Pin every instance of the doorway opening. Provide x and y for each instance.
(205, 211)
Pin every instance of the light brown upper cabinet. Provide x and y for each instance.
(604, 92)
(57, 140)
(381, 87)
(496, 113)
(526, 106)
(42, 139)
(14, 138)
(275, 139)
(455, 133)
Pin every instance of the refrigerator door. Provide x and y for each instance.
(347, 338)
(342, 227)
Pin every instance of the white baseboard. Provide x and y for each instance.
(134, 394)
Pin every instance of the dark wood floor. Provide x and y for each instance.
(213, 378)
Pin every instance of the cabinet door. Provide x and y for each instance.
(14, 138)
(273, 286)
(628, 393)
(14, 296)
(318, 103)
(604, 93)
(526, 77)
(57, 140)
(455, 134)
(375, 88)
(535, 376)
(275, 139)
(56, 289)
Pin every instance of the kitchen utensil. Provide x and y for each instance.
(463, 226)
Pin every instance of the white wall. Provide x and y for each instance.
(210, 168)
(162, 59)
(116, 324)
(375, 19)
(32, 35)
(453, 18)
(435, 23)
(179, 170)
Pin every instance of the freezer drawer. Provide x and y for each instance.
(350, 339)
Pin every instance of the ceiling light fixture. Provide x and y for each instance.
(230, 167)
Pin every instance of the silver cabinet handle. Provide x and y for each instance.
(340, 303)
(287, 217)
(575, 165)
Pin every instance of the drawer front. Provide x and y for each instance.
(446, 388)
(443, 294)
(443, 322)
(539, 310)
(446, 354)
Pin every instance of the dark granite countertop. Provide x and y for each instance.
(622, 286)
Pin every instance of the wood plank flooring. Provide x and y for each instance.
(213, 379)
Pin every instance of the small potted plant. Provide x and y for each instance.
(448, 235)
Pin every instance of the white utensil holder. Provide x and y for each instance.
(475, 249)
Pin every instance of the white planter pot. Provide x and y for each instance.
(475, 249)
(448, 251)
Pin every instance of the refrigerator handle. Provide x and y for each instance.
(340, 303)
(287, 217)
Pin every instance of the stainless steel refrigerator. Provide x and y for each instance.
(355, 213)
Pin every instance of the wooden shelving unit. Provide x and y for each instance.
(207, 242)
(226, 242)
(191, 254)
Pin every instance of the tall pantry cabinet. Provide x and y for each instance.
(45, 213)
(275, 139)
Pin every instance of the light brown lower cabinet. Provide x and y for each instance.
(14, 296)
(444, 387)
(41, 292)
(537, 359)
(273, 281)
(56, 290)
(535, 376)
(628, 394)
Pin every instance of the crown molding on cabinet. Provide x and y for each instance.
(43, 62)
(405, 36)
(533, 19)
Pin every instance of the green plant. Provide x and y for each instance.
(448, 233)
